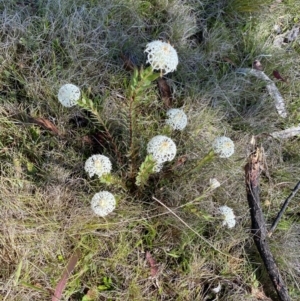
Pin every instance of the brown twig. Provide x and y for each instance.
(259, 230)
(283, 208)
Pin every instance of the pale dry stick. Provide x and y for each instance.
(195, 232)
(271, 87)
(283, 208)
(290, 132)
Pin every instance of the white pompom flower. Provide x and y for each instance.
(103, 203)
(229, 217)
(162, 148)
(161, 56)
(177, 119)
(97, 165)
(68, 95)
(223, 146)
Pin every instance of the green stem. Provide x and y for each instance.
(141, 80)
(208, 157)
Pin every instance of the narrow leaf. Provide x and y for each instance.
(63, 281)
(47, 124)
(33, 287)
(18, 272)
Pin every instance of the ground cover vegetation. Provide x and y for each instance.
(176, 225)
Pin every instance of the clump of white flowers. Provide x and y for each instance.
(68, 95)
(177, 119)
(162, 148)
(97, 165)
(223, 146)
(103, 203)
(214, 183)
(229, 217)
(162, 56)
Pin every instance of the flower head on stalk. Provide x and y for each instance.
(177, 119)
(68, 95)
(223, 146)
(161, 56)
(103, 203)
(162, 148)
(97, 165)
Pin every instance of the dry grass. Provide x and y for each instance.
(45, 194)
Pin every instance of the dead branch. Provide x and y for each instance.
(259, 230)
(283, 208)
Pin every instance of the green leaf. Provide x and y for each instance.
(153, 76)
(146, 83)
(18, 273)
(146, 169)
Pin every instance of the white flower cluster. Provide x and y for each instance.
(223, 146)
(177, 119)
(97, 165)
(162, 56)
(103, 203)
(68, 95)
(229, 217)
(162, 148)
